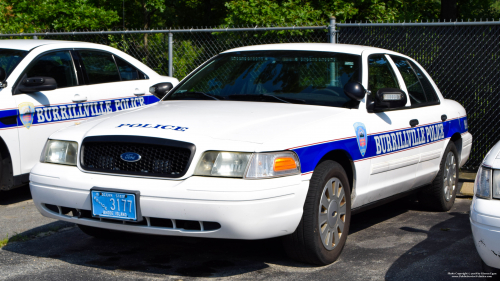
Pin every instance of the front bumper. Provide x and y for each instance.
(485, 224)
(244, 209)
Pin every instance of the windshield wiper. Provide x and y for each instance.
(200, 93)
(263, 96)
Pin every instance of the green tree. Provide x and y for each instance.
(36, 15)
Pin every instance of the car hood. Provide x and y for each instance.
(254, 122)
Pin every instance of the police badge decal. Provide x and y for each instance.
(26, 113)
(361, 136)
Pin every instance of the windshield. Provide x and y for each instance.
(304, 77)
(9, 59)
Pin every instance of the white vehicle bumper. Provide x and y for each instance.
(245, 209)
(485, 223)
(466, 148)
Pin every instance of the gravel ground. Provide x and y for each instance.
(397, 241)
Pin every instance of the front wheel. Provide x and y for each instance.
(440, 194)
(322, 231)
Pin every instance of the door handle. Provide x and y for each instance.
(444, 117)
(78, 98)
(139, 92)
(413, 122)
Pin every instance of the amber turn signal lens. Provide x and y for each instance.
(284, 163)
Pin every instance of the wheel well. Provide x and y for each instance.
(344, 159)
(457, 139)
(4, 151)
(6, 179)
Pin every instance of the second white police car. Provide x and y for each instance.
(47, 85)
(264, 141)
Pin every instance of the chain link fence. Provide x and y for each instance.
(462, 58)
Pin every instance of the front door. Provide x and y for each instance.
(394, 161)
(43, 113)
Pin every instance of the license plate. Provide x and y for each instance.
(114, 205)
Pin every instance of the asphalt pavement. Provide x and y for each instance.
(397, 241)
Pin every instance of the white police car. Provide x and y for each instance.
(47, 85)
(259, 142)
(485, 211)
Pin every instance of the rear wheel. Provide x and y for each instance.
(322, 231)
(440, 194)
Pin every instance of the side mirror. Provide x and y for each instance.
(37, 84)
(389, 98)
(355, 91)
(160, 90)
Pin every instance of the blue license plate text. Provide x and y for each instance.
(114, 205)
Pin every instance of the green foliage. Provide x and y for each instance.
(186, 53)
(477, 9)
(289, 12)
(36, 15)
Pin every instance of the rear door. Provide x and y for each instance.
(113, 84)
(43, 113)
(428, 111)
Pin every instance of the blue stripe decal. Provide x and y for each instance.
(75, 111)
(382, 143)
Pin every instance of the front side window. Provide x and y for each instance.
(304, 77)
(99, 67)
(419, 88)
(9, 59)
(58, 65)
(380, 74)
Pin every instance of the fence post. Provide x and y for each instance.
(35, 37)
(170, 54)
(331, 30)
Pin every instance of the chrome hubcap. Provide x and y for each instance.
(332, 213)
(449, 176)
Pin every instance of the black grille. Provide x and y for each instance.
(159, 157)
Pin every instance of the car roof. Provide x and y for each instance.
(322, 47)
(30, 44)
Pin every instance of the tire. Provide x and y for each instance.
(320, 238)
(100, 233)
(440, 194)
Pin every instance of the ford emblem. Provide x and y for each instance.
(130, 157)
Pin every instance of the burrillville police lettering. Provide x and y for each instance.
(158, 126)
(404, 139)
(83, 110)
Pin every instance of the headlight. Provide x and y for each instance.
(223, 164)
(276, 164)
(248, 165)
(60, 152)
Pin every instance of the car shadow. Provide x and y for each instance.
(15, 195)
(193, 257)
(436, 258)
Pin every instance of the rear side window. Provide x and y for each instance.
(380, 74)
(99, 67)
(128, 71)
(58, 65)
(419, 87)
